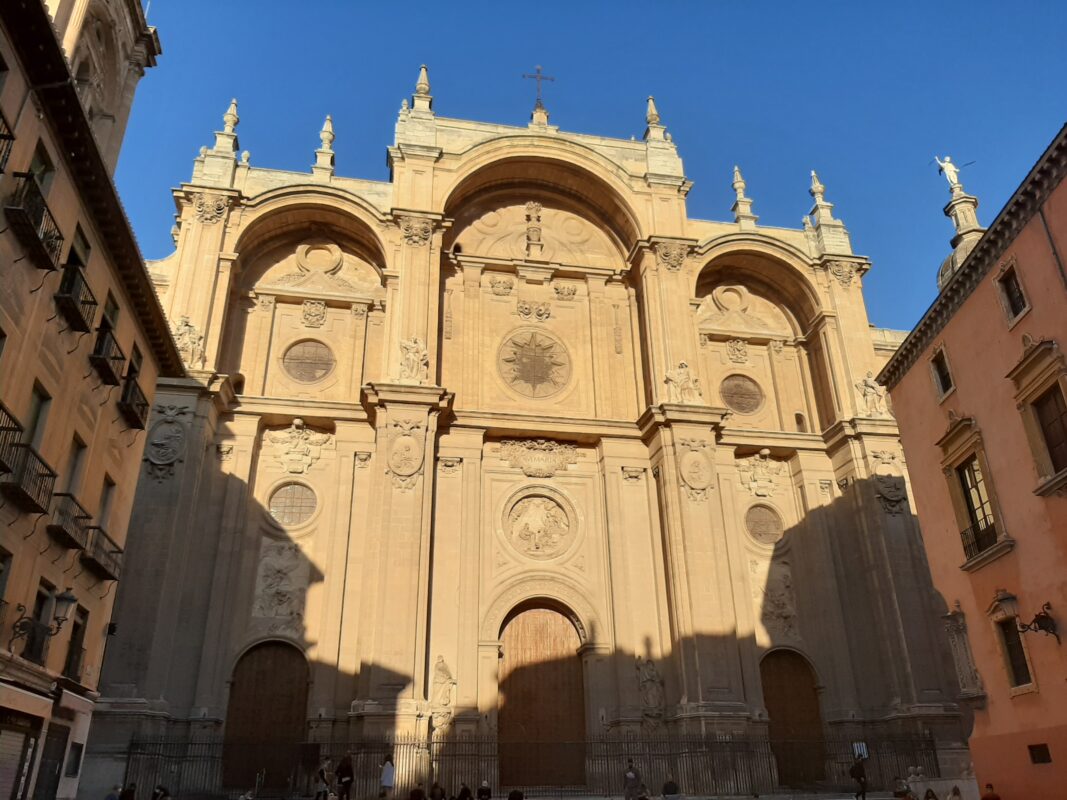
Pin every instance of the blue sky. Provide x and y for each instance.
(864, 92)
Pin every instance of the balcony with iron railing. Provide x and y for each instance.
(29, 483)
(979, 537)
(102, 555)
(10, 433)
(75, 663)
(75, 300)
(133, 404)
(68, 521)
(7, 141)
(33, 223)
(38, 634)
(107, 357)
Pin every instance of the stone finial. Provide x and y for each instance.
(831, 236)
(230, 118)
(326, 134)
(817, 190)
(652, 115)
(742, 205)
(422, 85)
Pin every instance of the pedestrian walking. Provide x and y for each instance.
(485, 792)
(464, 792)
(671, 790)
(388, 778)
(418, 793)
(129, 793)
(989, 794)
(345, 776)
(160, 793)
(322, 790)
(930, 795)
(437, 792)
(115, 793)
(631, 781)
(858, 773)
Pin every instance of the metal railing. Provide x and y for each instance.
(7, 141)
(75, 300)
(102, 554)
(33, 223)
(107, 357)
(980, 536)
(72, 668)
(133, 404)
(701, 765)
(38, 634)
(69, 521)
(10, 433)
(29, 483)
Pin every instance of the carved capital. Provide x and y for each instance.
(209, 208)
(415, 230)
(671, 255)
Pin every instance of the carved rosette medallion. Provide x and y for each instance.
(695, 469)
(671, 254)
(406, 453)
(538, 526)
(314, 313)
(534, 363)
(538, 458)
(209, 208)
(415, 230)
(166, 442)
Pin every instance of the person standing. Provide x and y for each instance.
(858, 773)
(437, 791)
(129, 793)
(464, 792)
(388, 779)
(114, 794)
(989, 794)
(323, 775)
(485, 792)
(631, 781)
(418, 793)
(671, 790)
(345, 775)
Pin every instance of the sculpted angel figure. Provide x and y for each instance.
(682, 387)
(873, 395)
(949, 170)
(414, 360)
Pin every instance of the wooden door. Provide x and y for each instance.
(51, 766)
(795, 724)
(266, 717)
(542, 702)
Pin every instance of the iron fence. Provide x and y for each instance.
(701, 765)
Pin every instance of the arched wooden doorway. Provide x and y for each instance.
(795, 725)
(541, 722)
(266, 717)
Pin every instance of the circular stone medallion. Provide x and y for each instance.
(763, 524)
(534, 363)
(539, 527)
(741, 393)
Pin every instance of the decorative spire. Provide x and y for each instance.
(962, 209)
(742, 209)
(422, 86)
(422, 100)
(326, 134)
(230, 118)
(652, 115)
(817, 189)
(831, 236)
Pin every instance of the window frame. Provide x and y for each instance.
(1041, 368)
(961, 442)
(939, 352)
(1004, 608)
(1010, 266)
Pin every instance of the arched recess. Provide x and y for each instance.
(541, 716)
(758, 318)
(266, 716)
(790, 693)
(310, 267)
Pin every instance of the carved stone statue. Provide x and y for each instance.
(190, 342)
(651, 686)
(414, 361)
(682, 387)
(950, 171)
(873, 395)
(441, 692)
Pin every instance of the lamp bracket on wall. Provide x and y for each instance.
(1042, 623)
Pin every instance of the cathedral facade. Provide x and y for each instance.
(509, 446)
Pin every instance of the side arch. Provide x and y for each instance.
(549, 591)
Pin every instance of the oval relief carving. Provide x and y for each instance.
(538, 526)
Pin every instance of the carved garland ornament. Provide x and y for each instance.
(166, 442)
(671, 254)
(538, 458)
(209, 208)
(416, 230)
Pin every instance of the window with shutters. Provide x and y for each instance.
(1010, 289)
(1040, 379)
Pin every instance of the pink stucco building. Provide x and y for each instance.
(978, 389)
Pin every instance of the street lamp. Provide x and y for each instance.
(21, 627)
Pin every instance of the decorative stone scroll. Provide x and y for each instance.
(190, 342)
(406, 453)
(538, 458)
(449, 465)
(695, 470)
(759, 473)
(313, 313)
(209, 208)
(415, 230)
(529, 310)
(297, 447)
(671, 254)
(632, 474)
(166, 442)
